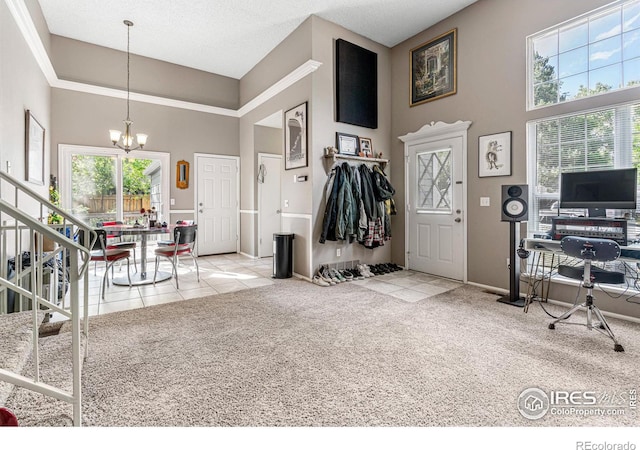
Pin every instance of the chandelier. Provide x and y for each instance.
(128, 139)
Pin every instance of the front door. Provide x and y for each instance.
(436, 227)
(269, 202)
(217, 204)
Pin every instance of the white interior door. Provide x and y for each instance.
(217, 204)
(436, 226)
(268, 202)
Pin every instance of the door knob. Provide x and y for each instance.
(200, 211)
(278, 211)
(458, 219)
(199, 204)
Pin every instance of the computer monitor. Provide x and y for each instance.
(599, 190)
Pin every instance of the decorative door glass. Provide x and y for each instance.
(434, 181)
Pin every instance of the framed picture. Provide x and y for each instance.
(34, 150)
(347, 144)
(366, 148)
(295, 137)
(433, 69)
(494, 155)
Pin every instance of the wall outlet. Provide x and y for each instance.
(485, 201)
(338, 252)
(173, 201)
(286, 203)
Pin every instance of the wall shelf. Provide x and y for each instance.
(338, 156)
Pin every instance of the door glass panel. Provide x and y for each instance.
(137, 177)
(434, 181)
(93, 184)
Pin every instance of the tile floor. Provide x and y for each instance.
(220, 274)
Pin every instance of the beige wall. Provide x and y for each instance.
(87, 63)
(84, 119)
(22, 87)
(491, 93)
(324, 134)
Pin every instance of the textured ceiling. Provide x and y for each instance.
(229, 37)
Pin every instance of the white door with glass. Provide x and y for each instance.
(217, 204)
(268, 202)
(435, 208)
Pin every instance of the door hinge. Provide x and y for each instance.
(261, 241)
(408, 207)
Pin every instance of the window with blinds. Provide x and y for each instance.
(589, 55)
(600, 139)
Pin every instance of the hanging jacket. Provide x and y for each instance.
(331, 208)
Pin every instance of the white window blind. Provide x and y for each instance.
(591, 140)
(589, 55)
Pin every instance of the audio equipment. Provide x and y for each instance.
(589, 227)
(514, 203)
(522, 252)
(514, 210)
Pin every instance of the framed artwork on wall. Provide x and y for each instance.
(356, 84)
(34, 150)
(494, 155)
(366, 147)
(347, 144)
(433, 69)
(295, 137)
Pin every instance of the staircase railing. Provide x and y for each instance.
(21, 232)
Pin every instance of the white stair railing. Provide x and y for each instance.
(21, 232)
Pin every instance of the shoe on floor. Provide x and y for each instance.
(319, 281)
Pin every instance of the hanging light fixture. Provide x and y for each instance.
(127, 139)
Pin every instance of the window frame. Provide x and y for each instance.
(66, 152)
(623, 153)
(601, 11)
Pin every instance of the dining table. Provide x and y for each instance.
(143, 276)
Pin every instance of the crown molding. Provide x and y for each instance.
(26, 26)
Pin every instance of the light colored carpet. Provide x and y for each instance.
(295, 354)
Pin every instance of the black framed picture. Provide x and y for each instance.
(347, 144)
(356, 85)
(433, 69)
(295, 137)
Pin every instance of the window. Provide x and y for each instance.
(103, 184)
(592, 54)
(592, 140)
(434, 181)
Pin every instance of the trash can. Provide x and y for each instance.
(283, 255)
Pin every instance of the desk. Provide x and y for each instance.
(142, 277)
(549, 247)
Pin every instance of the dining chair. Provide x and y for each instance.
(184, 239)
(126, 245)
(101, 253)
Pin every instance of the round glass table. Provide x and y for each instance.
(143, 276)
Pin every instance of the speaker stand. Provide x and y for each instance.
(513, 298)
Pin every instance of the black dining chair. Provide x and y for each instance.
(184, 240)
(128, 245)
(590, 250)
(101, 253)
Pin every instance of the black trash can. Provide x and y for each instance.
(283, 255)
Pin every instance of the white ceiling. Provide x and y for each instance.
(229, 37)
